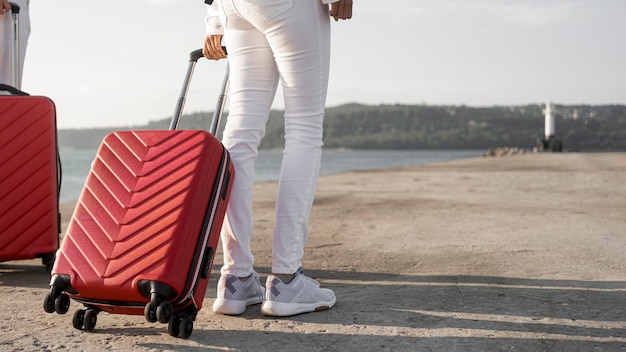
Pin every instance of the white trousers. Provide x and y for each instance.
(272, 41)
(7, 40)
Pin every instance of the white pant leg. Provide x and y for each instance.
(292, 36)
(302, 57)
(253, 82)
(6, 41)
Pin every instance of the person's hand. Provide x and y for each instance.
(212, 48)
(5, 7)
(341, 10)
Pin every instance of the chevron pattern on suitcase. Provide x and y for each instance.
(28, 178)
(138, 211)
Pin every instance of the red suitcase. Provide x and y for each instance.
(29, 178)
(144, 233)
(29, 170)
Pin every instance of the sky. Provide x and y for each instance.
(122, 62)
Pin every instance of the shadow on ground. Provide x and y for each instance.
(378, 312)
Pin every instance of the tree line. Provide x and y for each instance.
(359, 126)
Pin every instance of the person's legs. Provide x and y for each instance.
(300, 40)
(266, 37)
(253, 82)
(298, 33)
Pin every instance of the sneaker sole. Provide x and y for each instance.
(279, 309)
(232, 307)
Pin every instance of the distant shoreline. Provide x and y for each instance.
(410, 127)
(77, 163)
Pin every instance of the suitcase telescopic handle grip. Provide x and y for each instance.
(15, 8)
(195, 55)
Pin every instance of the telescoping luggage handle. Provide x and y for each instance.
(194, 56)
(15, 11)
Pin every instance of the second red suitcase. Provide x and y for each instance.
(29, 179)
(29, 170)
(146, 227)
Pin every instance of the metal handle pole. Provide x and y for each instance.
(221, 102)
(15, 13)
(194, 56)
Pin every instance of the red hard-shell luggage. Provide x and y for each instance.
(145, 230)
(29, 179)
(29, 170)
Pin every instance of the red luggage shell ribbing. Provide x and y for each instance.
(29, 220)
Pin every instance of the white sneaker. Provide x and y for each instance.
(234, 294)
(301, 295)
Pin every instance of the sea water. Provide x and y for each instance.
(76, 163)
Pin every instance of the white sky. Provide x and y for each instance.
(122, 62)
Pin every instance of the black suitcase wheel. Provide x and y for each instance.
(149, 313)
(164, 312)
(173, 328)
(186, 327)
(78, 321)
(48, 303)
(90, 319)
(62, 304)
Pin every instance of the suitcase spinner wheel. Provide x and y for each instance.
(180, 326)
(85, 318)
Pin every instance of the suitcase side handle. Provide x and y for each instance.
(12, 90)
(194, 56)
